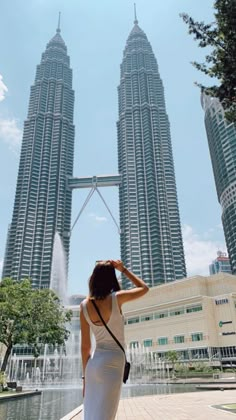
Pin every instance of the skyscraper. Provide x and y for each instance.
(221, 264)
(151, 239)
(222, 145)
(42, 204)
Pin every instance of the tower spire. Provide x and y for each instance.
(135, 15)
(59, 23)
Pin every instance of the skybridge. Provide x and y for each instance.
(94, 183)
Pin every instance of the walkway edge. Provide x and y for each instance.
(19, 395)
(73, 414)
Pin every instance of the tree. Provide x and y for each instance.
(30, 316)
(220, 36)
(172, 357)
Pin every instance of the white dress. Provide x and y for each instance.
(104, 370)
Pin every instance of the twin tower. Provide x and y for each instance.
(151, 239)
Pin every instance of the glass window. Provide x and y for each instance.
(162, 341)
(147, 343)
(148, 317)
(177, 311)
(195, 308)
(133, 320)
(179, 339)
(161, 315)
(133, 344)
(197, 336)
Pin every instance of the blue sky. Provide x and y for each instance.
(95, 33)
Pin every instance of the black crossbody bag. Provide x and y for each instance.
(127, 364)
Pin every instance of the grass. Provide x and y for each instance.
(231, 408)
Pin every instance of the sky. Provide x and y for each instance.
(95, 33)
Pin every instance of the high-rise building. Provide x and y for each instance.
(222, 145)
(221, 264)
(151, 239)
(42, 204)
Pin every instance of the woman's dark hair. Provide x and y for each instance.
(103, 281)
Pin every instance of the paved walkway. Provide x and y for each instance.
(186, 406)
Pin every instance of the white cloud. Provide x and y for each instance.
(10, 134)
(3, 89)
(200, 251)
(98, 219)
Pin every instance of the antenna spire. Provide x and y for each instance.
(59, 23)
(135, 15)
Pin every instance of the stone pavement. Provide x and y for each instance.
(186, 406)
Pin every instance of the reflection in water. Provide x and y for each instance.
(54, 404)
(51, 405)
(155, 389)
(22, 409)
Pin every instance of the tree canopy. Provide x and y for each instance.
(30, 316)
(172, 356)
(220, 64)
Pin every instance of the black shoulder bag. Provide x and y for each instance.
(127, 364)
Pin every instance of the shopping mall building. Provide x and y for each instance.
(195, 316)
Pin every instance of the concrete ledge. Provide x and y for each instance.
(220, 387)
(72, 415)
(24, 394)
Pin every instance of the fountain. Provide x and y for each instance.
(62, 366)
(55, 366)
(147, 367)
(58, 281)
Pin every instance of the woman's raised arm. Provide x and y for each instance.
(130, 294)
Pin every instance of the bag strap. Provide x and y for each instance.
(108, 329)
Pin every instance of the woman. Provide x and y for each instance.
(103, 370)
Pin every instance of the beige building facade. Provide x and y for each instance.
(195, 316)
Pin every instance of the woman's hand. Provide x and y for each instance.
(118, 265)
